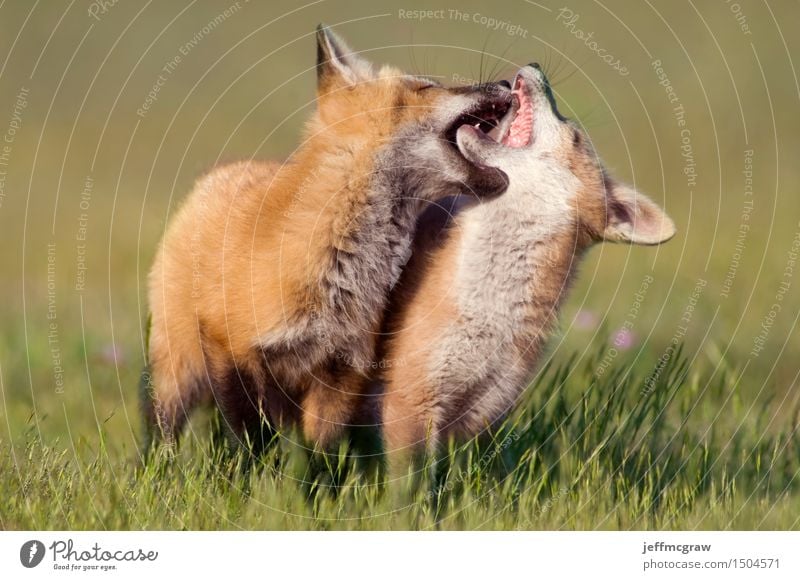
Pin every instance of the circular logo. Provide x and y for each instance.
(31, 553)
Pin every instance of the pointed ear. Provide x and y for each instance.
(336, 63)
(634, 218)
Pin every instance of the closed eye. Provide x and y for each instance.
(422, 84)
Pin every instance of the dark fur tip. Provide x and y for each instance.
(321, 52)
(326, 50)
(487, 182)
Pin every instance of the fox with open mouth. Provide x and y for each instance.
(269, 286)
(481, 294)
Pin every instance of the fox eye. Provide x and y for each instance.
(421, 84)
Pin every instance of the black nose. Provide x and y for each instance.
(535, 65)
(504, 83)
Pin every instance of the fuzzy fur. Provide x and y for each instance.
(481, 295)
(270, 283)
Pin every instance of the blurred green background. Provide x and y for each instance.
(82, 163)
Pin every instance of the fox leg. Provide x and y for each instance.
(170, 395)
(240, 393)
(326, 415)
(409, 432)
(330, 404)
(172, 385)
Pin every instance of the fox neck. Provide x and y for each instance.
(370, 245)
(371, 209)
(515, 267)
(377, 242)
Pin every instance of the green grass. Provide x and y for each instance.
(579, 453)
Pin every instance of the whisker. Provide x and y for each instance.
(499, 62)
(483, 55)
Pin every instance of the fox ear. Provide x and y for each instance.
(336, 63)
(633, 218)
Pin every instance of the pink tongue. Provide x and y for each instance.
(519, 134)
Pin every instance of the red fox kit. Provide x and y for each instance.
(271, 280)
(482, 291)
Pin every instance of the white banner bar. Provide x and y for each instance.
(355, 555)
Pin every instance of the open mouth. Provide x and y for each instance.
(508, 122)
(516, 129)
(486, 118)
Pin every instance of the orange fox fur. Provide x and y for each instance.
(268, 288)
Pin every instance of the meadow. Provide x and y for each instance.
(669, 398)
